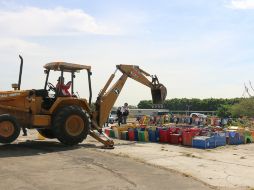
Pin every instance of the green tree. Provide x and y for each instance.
(132, 107)
(145, 104)
(244, 108)
(209, 104)
(224, 111)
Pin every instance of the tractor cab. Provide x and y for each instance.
(63, 88)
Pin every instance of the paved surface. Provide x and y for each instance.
(228, 167)
(51, 166)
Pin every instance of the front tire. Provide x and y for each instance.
(71, 125)
(9, 129)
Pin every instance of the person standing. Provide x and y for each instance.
(24, 131)
(119, 115)
(125, 113)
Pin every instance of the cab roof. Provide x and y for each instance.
(66, 67)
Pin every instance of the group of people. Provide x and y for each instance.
(122, 114)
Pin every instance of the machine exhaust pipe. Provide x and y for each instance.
(20, 71)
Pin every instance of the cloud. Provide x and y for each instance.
(241, 4)
(13, 44)
(33, 21)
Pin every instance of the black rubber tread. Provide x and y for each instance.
(47, 133)
(59, 120)
(14, 136)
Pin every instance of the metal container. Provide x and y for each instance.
(124, 135)
(219, 138)
(141, 136)
(107, 131)
(203, 142)
(175, 139)
(235, 138)
(131, 134)
(153, 135)
(187, 137)
(163, 135)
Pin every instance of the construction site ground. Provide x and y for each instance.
(32, 164)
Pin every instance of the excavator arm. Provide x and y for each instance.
(107, 98)
(159, 91)
(137, 74)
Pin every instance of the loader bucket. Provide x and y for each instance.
(159, 94)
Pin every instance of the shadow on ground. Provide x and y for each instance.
(31, 148)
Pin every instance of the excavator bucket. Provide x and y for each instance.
(159, 94)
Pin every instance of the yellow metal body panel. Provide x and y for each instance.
(69, 101)
(41, 120)
(14, 98)
(21, 100)
(16, 103)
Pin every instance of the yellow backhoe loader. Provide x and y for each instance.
(66, 116)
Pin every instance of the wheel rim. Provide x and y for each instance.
(74, 125)
(6, 129)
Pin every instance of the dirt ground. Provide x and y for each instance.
(30, 164)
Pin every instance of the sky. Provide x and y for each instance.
(198, 48)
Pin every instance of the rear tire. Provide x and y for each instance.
(71, 125)
(47, 133)
(9, 129)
